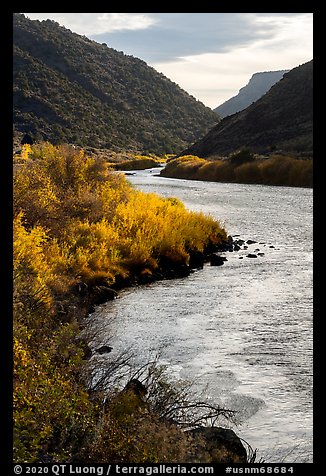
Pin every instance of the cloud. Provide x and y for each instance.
(210, 55)
(98, 23)
(215, 77)
(175, 35)
(125, 21)
(165, 36)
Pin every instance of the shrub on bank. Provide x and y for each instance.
(76, 220)
(243, 168)
(140, 162)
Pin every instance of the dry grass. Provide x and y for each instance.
(276, 170)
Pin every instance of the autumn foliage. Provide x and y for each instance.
(75, 220)
(243, 167)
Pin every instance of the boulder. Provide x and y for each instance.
(182, 271)
(216, 260)
(104, 349)
(171, 269)
(251, 255)
(225, 247)
(196, 260)
(222, 444)
(251, 242)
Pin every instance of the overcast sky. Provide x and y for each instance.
(210, 55)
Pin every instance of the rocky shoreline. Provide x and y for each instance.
(98, 292)
(216, 440)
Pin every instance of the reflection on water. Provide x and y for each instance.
(242, 332)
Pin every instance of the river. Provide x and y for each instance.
(242, 332)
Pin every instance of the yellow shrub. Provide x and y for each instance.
(26, 152)
(45, 400)
(76, 220)
(276, 170)
(32, 272)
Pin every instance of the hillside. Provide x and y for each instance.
(281, 120)
(68, 88)
(258, 85)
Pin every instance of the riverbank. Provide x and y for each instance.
(79, 232)
(97, 292)
(243, 167)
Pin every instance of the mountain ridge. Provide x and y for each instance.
(68, 88)
(281, 120)
(259, 84)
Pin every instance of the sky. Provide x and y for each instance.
(210, 55)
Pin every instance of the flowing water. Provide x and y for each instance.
(242, 332)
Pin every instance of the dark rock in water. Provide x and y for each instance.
(171, 269)
(251, 255)
(223, 445)
(182, 271)
(101, 294)
(261, 254)
(240, 257)
(236, 247)
(251, 242)
(196, 260)
(271, 246)
(105, 349)
(122, 282)
(210, 248)
(216, 260)
(222, 247)
(245, 247)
